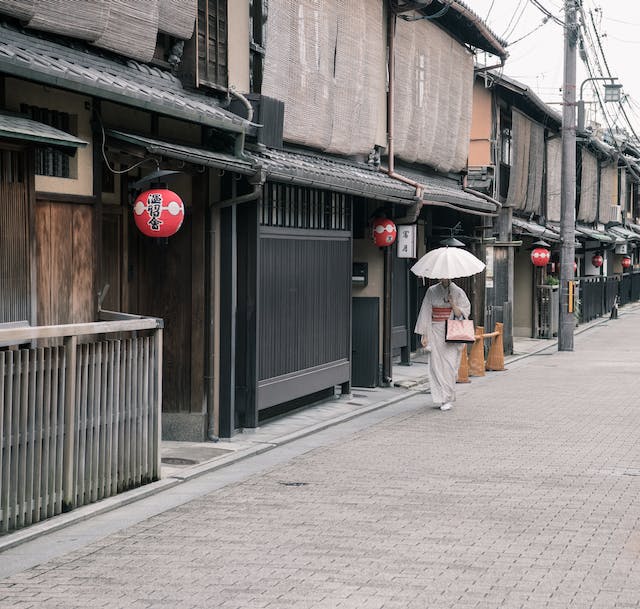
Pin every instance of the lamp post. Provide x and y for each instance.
(611, 94)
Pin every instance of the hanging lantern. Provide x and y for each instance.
(626, 262)
(540, 256)
(597, 260)
(384, 232)
(575, 266)
(158, 212)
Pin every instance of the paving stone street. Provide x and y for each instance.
(525, 495)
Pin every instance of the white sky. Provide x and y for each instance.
(537, 60)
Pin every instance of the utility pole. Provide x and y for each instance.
(566, 323)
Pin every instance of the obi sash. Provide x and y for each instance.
(440, 313)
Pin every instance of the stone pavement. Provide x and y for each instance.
(525, 495)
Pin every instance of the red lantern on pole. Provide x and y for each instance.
(158, 212)
(597, 260)
(540, 256)
(626, 262)
(384, 232)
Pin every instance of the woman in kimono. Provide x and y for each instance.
(444, 300)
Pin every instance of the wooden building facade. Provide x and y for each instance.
(280, 179)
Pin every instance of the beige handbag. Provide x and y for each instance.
(460, 331)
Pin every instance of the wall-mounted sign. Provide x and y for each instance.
(406, 241)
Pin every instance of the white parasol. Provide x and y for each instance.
(447, 263)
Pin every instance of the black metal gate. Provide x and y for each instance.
(304, 304)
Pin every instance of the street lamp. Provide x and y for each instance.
(611, 94)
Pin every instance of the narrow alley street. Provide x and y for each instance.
(525, 495)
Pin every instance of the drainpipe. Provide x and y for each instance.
(410, 218)
(496, 66)
(239, 147)
(414, 212)
(258, 180)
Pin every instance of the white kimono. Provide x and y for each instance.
(444, 360)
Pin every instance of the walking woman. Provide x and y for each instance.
(444, 300)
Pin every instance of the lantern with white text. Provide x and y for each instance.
(384, 232)
(158, 212)
(540, 256)
(626, 262)
(597, 260)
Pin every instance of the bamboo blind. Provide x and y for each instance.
(554, 157)
(84, 19)
(22, 9)
(608, 208)
(177, 17)
(588, 210)
(525, 182)
(326, 61)
(132, 28)
(433, 97)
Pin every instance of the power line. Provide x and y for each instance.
(490, 9)
(544, 22)
(547, 12)
(515, 12)
(604, 59)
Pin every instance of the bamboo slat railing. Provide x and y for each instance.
(79, 421)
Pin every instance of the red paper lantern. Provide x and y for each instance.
(384, 232)
(626, 262)
(158, 212)
(575, 266)
(540, 256)
(597, 260)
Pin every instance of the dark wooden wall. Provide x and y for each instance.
(15, 274)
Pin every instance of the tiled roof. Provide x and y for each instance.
(527, 227)
(441, 189)
(73, 66)
(586, 233)
(22, 128)
(317, 171)
(624, 233)
(335, 174)
(363, 180)
(190, 154)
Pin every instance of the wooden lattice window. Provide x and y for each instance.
(288, 206)
(258, 16)
(51, 161)
(212, 43)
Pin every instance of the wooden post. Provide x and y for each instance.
(68, 481)
(476, 359)
(463, 370)
(157, 347)
(495, 357)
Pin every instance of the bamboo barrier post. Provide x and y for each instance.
(495, 357)
(68, 451)
(476, 358)
(463, 370)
